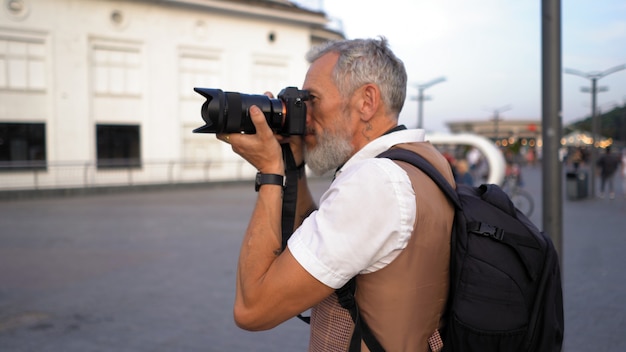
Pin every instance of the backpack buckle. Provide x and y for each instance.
(489, 231)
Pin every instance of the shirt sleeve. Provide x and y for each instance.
(363, 222)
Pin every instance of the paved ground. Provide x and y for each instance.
(154, 271)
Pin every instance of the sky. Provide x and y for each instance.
(489, 52)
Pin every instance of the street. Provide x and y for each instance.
(155, 271)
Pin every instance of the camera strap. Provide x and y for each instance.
(290, 199)
(290, 194)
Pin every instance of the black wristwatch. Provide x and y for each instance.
(268, 179)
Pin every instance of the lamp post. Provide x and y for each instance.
(496, 120)
(421, 97)
(594, 77)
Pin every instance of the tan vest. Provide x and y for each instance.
(403, 302)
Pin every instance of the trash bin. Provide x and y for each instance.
(576, 184)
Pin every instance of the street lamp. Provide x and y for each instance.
(420, 98)
(594, 77)
(496, 120)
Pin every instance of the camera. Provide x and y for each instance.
(228, 112)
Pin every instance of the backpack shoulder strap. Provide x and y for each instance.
(426, 167)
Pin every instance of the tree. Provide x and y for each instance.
(612, 124)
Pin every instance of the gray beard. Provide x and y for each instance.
(330, 152)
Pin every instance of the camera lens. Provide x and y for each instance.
(228, 112)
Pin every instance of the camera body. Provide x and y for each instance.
(228, 112)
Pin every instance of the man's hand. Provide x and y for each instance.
(262, 149)
(296, 143)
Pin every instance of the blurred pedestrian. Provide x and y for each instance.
(531, 157)
(513, 170)
(463, 175)
(577, 158)
(608, 164)
(476, 163)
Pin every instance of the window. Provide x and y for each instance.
(198, 70)
(22, 63)
(269, 74)
(118, 146)
(23, 145)
(117, 69)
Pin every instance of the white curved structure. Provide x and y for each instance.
(492, 154)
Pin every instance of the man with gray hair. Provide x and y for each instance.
(381, 221)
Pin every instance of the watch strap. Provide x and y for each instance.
(268, 179)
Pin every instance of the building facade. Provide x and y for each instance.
(97, 92)
(526, 132)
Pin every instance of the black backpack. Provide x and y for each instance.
(505, 283)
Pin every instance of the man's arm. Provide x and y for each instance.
(271, 286)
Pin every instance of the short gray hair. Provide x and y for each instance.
(364, 61)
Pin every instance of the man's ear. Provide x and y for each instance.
(369, 101)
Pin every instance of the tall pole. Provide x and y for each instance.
(594, 134)
(496, 121)
(421, 97)
(594, 77)
(551, 121)
(420, 107)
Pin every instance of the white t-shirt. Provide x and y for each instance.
(364, 219)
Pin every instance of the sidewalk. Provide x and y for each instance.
(155, 271)
(593, 258)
